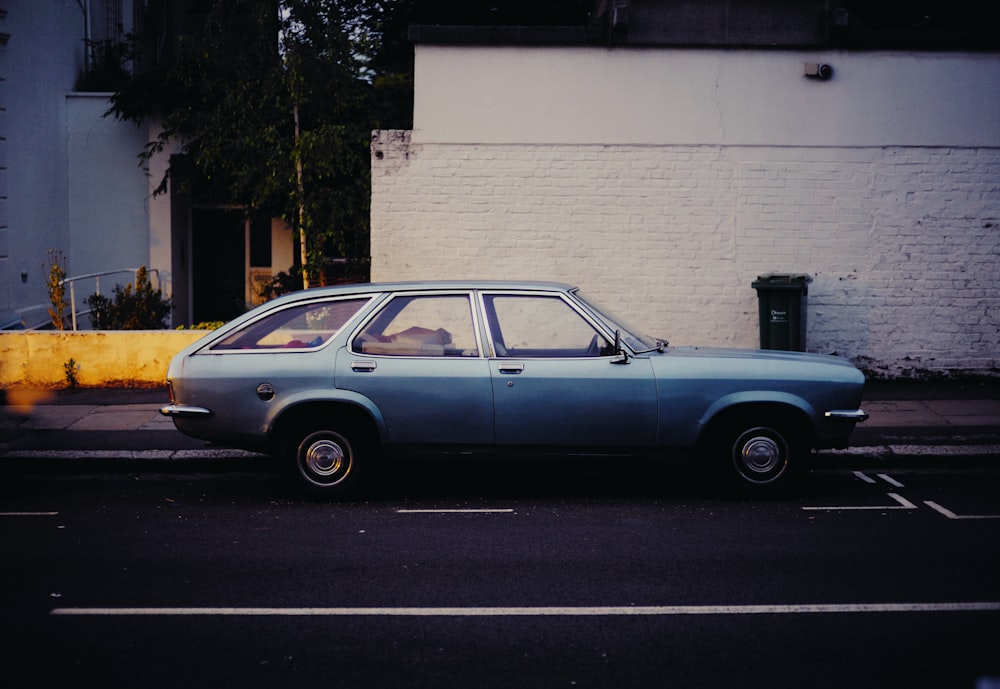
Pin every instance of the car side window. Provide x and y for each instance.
(423, 325)
(541, 326)
(305, 326)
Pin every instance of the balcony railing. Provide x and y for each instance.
(72, 284)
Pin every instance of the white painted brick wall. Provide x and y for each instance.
(903, 244)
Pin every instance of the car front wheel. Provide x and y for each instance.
(325, 462)
(762, 458)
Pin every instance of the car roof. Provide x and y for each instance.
(422, 285)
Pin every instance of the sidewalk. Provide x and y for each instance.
(106, 429)
(910, 422)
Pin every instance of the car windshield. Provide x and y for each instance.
(631, 336)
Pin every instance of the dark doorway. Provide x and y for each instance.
(218, 239)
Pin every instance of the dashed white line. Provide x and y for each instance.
(29, 514)
(505, 510)
(546, 611)
(864, 477)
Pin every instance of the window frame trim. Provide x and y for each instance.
(600, 327)
(209, 347)
(470, 296)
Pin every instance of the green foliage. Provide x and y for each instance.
(70, 370)
(230, 96)
(207, 325)
(57, 288)
(138, 308)
(108, 67)
(282, 283)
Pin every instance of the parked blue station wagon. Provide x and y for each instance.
(333, 379)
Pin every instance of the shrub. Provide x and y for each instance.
(138, 308)
(207, 325)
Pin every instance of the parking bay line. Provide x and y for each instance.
(951, 515)
(543, 611)
(903, 504)
(885, 477)
(890, 480)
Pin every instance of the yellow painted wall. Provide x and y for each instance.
(105, 358)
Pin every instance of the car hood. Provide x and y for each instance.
(756, 355)
(754, 364)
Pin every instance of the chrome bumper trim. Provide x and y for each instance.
(185, 410)
(856, 415)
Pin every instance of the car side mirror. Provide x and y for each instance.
(619, 350)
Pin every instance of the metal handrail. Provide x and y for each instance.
(97, 285)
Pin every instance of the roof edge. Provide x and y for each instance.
(502, 35)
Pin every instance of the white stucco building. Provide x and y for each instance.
(667, 177)
(70, 179)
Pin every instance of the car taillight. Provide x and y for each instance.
(170, 391)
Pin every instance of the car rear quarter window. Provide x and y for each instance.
(302, 326)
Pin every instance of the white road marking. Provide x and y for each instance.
(951, 515)
(890, 480)
(29, 514)
(864, 477)
(546, 611)
(903, 504)
(505, 510)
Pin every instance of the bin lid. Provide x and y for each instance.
(782, 280)
(785, 277)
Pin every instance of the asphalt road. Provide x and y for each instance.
(501, 577)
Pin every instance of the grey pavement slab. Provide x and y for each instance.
(75, 417)
(945, 413)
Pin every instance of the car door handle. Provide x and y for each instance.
(363, 366)
(511, 368)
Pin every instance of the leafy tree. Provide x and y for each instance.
(272, 104)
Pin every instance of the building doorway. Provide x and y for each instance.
(218, 252)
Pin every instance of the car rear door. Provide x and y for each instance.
(418, 359)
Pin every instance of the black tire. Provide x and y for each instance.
(760, 458)
(325, 462)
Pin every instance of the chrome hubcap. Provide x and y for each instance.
(325, 458)
(760, 456)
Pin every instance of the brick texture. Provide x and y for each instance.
(903, 244)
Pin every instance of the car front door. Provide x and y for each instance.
(557, 381)
(419, 360)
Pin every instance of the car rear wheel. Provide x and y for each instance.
(325, 462)
(761, 458)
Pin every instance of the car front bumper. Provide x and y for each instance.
(856, 415)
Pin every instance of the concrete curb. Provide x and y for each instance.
(134, 455)
(217, 460)
(900, 452)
